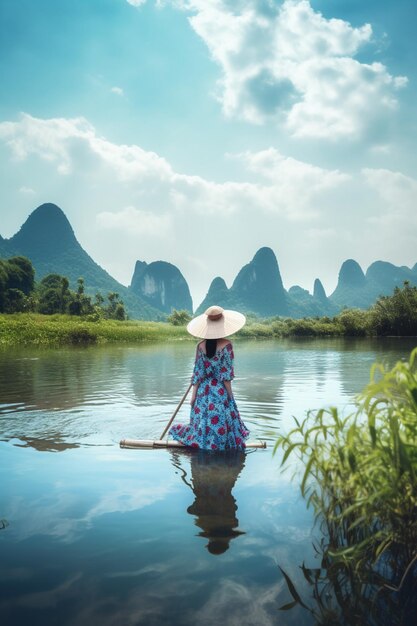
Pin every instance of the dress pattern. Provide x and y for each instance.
(215, 423)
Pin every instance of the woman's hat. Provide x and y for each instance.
(216, 323)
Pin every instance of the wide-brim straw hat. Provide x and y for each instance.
(216, 323)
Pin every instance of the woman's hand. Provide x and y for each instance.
(193, 394)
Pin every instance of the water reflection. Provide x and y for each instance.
(90, 396)
(213, 476)
(99, 395)
(54, 444)
(56, 379)
(362, 590)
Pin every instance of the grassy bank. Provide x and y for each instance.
(351, 324)
(56, 330)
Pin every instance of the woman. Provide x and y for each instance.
(215, 422)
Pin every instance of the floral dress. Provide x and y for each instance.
(215, 422)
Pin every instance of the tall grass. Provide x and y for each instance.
(55, 330)
(360, 476)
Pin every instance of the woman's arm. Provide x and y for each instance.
(228, 387)
(194, 393)
(195, 375)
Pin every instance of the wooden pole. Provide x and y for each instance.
(171, 443)
(176, 411)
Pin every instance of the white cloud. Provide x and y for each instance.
(321, 233)
(391, 228)
(283, 170)
(381, 149)
(74, 148)
(27, 191)
(398, 194)
(294, 185)
(246, 605)
(118, 91)
(289, 63)
(71, 142)
(136, 3)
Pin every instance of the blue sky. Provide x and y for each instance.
(198, 131)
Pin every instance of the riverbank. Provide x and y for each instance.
(25, 329)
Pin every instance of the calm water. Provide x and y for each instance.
(92, 534)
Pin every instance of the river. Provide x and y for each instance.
(94, 534)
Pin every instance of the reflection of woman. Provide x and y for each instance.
(213, 477)
(215, 422)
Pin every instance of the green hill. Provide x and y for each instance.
(48, 240)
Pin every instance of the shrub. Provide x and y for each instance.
(257, 330)
(15, 301)
(16, 283)
(179, 318)
(354, 322)
(21, 274)
(81, 336)
(396, 314)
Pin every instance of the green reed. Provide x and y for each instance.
(359, 473)
(55, 330)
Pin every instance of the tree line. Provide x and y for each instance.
(19, 292)
(392, 315)
(395, 314)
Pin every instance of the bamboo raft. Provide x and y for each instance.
(171, 443)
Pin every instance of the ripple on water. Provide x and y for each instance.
(86, 396)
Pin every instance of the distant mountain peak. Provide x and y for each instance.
(48, 209)
(265, 255)
(297, 290)
(48, 240)
(318, 291)
(218, 294)
(259, 286)
(140, 267)
(51, 212)
(217, 283)
(351, 289)
(351, 274)
(162, 285)
(46, 227)
(264, 260)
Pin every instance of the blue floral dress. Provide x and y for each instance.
(215, 422)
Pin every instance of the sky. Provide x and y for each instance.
(198, 131)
